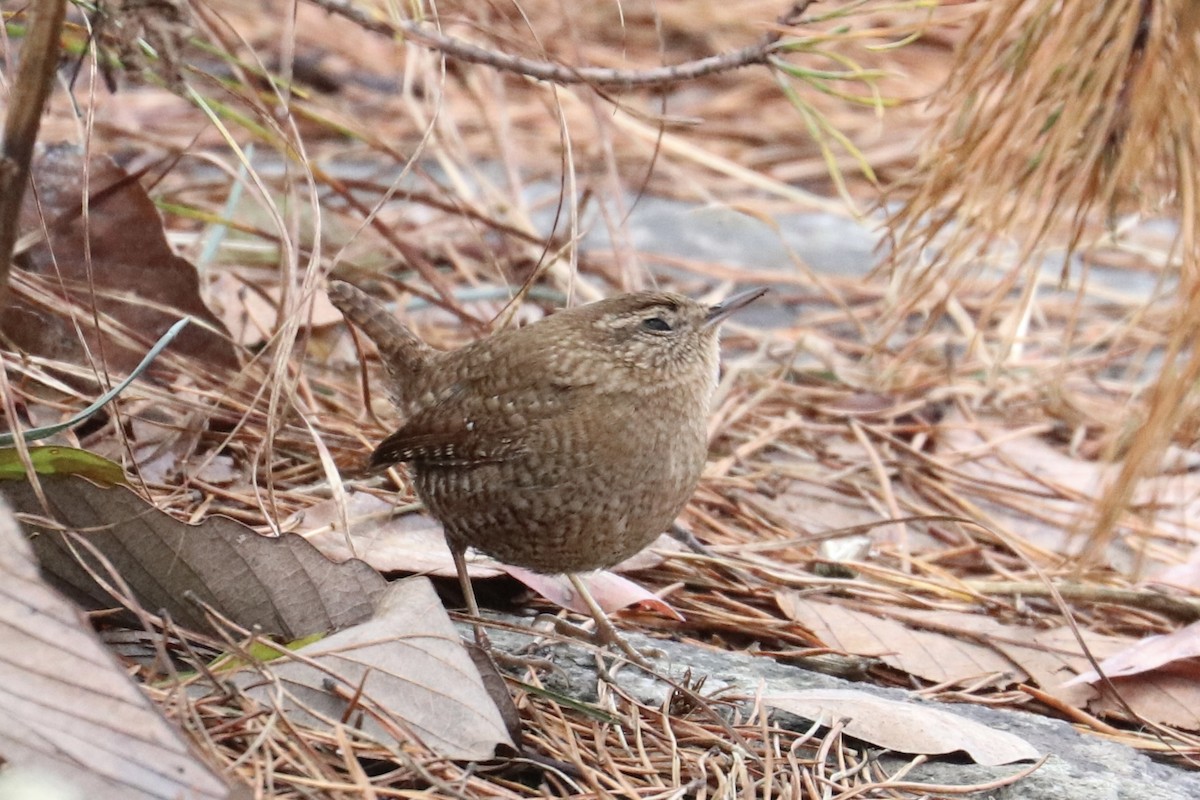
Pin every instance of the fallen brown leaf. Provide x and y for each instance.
(413, 542)
(933, 655)
(1147, 654)
(282, 586)
(1169, 695)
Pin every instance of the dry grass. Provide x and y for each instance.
(903, 397)
(1058, 121)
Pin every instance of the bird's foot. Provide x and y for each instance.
(503, 658)
(605, 635)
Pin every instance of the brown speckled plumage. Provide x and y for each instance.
(564, 446)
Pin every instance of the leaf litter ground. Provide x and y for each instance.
(899, 494)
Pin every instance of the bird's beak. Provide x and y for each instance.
(718, 313)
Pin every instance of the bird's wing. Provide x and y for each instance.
(483, 418)
(448, 435)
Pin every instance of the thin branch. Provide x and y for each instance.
(1184, 609)
(563, 75)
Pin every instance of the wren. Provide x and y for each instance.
(564, 446)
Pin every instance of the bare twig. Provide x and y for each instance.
(1179, 608)
(758, 53)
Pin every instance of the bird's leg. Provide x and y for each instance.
(464, 583)
(481, 638)
(605, 632)
(688, 539)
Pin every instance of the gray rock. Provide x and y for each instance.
(1080, 767)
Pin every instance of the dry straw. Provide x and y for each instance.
(1056, 111)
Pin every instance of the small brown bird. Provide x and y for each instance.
(564, 446)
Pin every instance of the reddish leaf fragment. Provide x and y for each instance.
(611, 591)
(1147, 654)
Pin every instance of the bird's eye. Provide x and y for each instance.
(657, 324)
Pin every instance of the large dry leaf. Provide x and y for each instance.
(930, 654)
(117, 257)
(1058, 484)
(945, 647)
(394, 541)
(250, 311)
(1169, 695)
(1026, 464)
(1033, 660)
(904, 727)
(387, 540)
(1045, 658)
(407, 670)
(808, 506)
(959, 647)
(283, 586)
(68, 710)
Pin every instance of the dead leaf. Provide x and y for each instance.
(911, 727)
(250, 309)
(1147, 654)
(809, 506)
(413, 541)
(1023, 463)
(118, 257)
(410, 672)
(283, 586)
(69, 710)
(1182, 576)
(948, 647)
(497, 689)
(933, 655)
(1169, 695)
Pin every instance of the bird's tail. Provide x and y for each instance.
(402, 353)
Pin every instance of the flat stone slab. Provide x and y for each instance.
(1080, 767)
